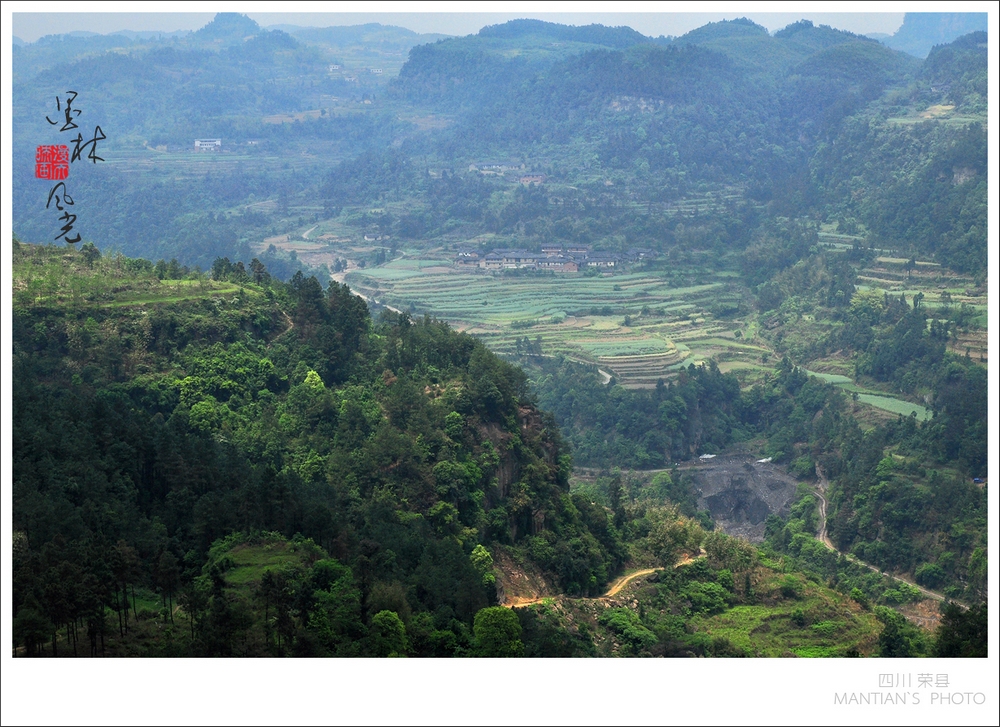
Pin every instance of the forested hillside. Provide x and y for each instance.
(154, 417)
(171, 432)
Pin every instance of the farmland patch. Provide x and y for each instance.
(640, 326)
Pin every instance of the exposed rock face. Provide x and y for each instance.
(740, 493)
(531, 451)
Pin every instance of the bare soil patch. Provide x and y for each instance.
(740, 493)
(518, 585)
(926, 614)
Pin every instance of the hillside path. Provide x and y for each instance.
(822, 536)
(619, 584)
(613, 590)
(624, 580)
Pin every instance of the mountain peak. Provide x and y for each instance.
(229, 26)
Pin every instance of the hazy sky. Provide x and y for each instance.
(651, 18)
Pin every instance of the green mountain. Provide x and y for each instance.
(386, 37)
(228, 28)
(725, 105)
(190, 409)
(216, 453)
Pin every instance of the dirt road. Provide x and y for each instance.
(822, 536)
(624, 580)
(517, 601)
(821, 493)
(604, 471)
(619, 584)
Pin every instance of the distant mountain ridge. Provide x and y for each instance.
(922, 31)
(372, 33)
(738, 107)
(724, 29)
(612, 37)
(228, 26)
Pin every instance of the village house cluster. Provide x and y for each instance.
(502, 168)
(568, 259)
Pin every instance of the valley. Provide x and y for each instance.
(543, 341)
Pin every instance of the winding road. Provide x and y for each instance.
(822, 536)
(625, 580)
(619, 584)
(820, 491)
(613, 590)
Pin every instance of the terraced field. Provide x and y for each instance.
(642, 326)
(877, 399)
(638, 325)
(181, 165)
(940, 288)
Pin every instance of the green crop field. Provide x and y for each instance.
(639, 325)
(831, 378)
(896, 406)
(878, 400)
(812, 624)
(249, 562)
(936, 288)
